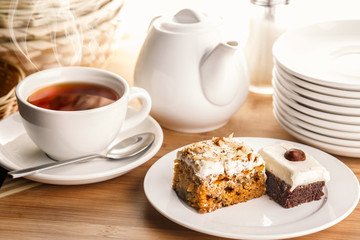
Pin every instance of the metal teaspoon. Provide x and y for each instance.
(124, 149)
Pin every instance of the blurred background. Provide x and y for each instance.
(137, 14)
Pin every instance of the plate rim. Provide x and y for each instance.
(311, 119)
(303, 232)
(314, 104)
(330, 148)
(315, 128)
(316, 96)
(310, 86)
(352, 120)
(278, 55)
(315, 135)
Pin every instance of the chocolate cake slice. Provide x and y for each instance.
(293, 176)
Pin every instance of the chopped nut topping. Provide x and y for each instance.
(219, 141)
(218, 149)
(225, 156)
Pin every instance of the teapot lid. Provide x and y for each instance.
(187, 20)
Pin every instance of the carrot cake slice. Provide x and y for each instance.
(293, 176)
(217, 173)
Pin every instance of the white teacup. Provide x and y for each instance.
(69, 134)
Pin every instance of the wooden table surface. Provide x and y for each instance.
(118, 208)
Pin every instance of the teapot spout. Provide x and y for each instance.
(222, 72)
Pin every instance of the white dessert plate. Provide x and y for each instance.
(315, 135)
(328, 147)
(324, 53)
(319, 97)
(342, 127)
(259, 218)
(18, 151)
(315, 87)
(324, 107)
(355, 120)
(315, 128)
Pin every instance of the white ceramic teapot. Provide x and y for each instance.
(196, 82)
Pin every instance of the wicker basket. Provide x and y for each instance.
(39, 35)
(10, 76)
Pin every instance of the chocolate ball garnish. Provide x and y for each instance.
(294, 155)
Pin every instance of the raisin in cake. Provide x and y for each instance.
(293, 176)
(217, 173)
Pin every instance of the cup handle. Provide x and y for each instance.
(145, 99)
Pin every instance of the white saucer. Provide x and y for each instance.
(18, 151)
(316, 135)
(315, 87)
(319, 97)
(328, 147)
(355, 120)
(342, 127)
(323, 107)
(259, 218)
(325, 53)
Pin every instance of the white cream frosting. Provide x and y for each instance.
(294, 173)
(226, 156)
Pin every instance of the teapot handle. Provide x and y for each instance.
(152, 21)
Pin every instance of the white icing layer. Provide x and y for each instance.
(226, 156)
(293, 173)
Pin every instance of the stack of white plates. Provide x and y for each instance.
(316, 81)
